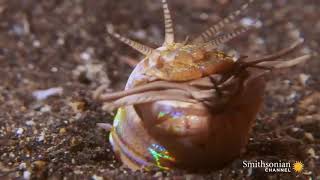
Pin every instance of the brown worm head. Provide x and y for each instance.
(188, 105)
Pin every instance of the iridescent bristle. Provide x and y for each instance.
(159, 153)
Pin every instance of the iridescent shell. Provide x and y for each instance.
(173, 134)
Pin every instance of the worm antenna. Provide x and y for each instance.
(224, 38)
(169, 32)
(213, 30)
(277, 55)
(145, 50)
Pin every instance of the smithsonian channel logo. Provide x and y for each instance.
(275, 167)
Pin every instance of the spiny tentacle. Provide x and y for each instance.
(277, 55)
(169, 32)
(212, 31)
(293, 62)
(224, 38)
(151, 96)
(135, 45)
(158, 85)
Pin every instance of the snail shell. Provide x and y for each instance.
(175, 134)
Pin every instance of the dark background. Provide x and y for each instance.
(56, 43)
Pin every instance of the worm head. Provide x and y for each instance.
(184, 61)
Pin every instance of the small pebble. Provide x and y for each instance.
(295, 129)
(36, 43)
(26, 174)
(19, 131)
(85, 56)
(45, 108)
(54, 69)
(20, 29)
(41, 137)
(95, 177)
(204, 16)
(292, 96)
(248, 21)
(30, 123)
(44, 94)
(61, 41)
(304, 79)
(309, 136)
(312, 153)
(62, 130)
(22, 166)
(78, 116)
(30, 66)
(77, 172)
